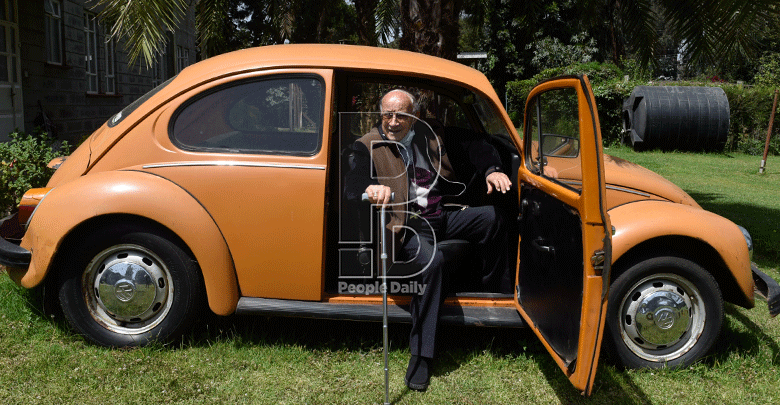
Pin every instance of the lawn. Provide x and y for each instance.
(278, 360)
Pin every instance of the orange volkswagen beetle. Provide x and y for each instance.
(223, 187)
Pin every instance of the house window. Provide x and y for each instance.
(182, 58)
(91, 57)
(110, 74)
(53, 10)
(9, 51)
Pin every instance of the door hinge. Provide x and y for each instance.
(597, 260)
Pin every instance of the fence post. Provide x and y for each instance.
(768, 135)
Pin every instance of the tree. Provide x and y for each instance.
(713, 32)
(265, 22)
(431, 27)
(227, 24)
(142, 24)
(366, 21)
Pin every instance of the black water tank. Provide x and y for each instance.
(677, 117)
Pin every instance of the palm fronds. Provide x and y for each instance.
(142, 24)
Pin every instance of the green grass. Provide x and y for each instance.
(277, 360)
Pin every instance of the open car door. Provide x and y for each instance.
(565, 248)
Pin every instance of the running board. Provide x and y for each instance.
(506, 317)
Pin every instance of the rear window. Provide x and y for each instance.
(120, 116)
(279, 115)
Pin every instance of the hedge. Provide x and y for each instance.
(750, 106)
(23, 165)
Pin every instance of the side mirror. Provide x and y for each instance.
(560, 146)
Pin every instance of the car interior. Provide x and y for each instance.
(351, 225)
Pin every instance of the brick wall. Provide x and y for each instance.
(61, 91)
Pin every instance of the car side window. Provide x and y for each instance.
(281, 115)
(554, 135)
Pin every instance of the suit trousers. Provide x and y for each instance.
(482, 226)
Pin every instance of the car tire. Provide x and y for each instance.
(125, 286)
(663, 312)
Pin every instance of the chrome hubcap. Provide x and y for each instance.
(129, 289)
(662, 317)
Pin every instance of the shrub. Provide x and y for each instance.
(23, 161)
(750, 106)
(550, 52)
(610, 88)
(768, 70)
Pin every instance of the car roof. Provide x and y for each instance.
(310, 56)
(352, 57)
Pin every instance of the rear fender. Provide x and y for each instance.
(132, 193)
(638, 222)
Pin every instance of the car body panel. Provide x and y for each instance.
(132, 193)
(277, 251)
(291, 190)
(661, 219)
(75, 165)
(630, 178)
(628, 182)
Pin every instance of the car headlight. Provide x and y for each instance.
(748, 240)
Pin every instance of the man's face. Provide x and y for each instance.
(397, 116)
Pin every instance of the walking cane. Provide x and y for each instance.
(383, 256)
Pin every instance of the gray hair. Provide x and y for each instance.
(415, 105)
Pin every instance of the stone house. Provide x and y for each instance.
(58, 66)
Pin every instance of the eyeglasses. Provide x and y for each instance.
(387, 116)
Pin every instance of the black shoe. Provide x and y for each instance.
(417, 374)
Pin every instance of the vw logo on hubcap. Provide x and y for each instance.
(124, 290)
(664, 318)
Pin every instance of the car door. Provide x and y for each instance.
(564, 248)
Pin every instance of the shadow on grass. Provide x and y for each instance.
(457, 345)
(760, 221)
(743, 342)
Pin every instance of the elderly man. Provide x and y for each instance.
(402, 155)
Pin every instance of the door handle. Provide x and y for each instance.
(541, 245)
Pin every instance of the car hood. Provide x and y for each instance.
(622, 175)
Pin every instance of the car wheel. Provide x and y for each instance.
(125, 286)
(663, 312)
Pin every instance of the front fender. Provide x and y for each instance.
(134, 193)
(643, 221)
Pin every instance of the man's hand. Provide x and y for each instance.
(499, 181)
(378, 194)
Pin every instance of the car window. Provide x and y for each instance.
(276, 116)
(488, 116)
(120, 116)
(554, 135)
